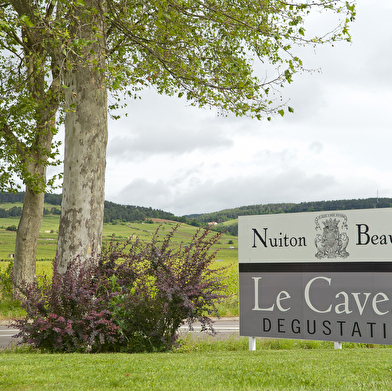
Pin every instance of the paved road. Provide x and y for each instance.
(6, 336)
(223, 327)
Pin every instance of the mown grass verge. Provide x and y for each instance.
(226, 366)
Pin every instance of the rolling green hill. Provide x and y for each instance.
(124, 221)
(120, 231)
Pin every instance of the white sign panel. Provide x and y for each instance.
(350, 236)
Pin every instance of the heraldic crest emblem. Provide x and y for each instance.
(331, 243)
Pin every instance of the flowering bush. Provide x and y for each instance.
(134, 300)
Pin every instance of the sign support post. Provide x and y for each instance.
(252, 344)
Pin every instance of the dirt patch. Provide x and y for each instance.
(163, 221)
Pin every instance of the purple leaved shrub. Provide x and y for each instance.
(67, 313)
(134, 300)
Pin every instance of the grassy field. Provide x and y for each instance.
(120, 231)
(47, 244)
(228, 366)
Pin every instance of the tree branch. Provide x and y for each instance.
(11, 139)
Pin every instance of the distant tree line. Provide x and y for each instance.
(15, 211)
(12, 197)
(53, 199)
(231, 214)
(113, 212)
(116, 212)
(129, 213)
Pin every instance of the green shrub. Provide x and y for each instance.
(9, 307)
(6, 287)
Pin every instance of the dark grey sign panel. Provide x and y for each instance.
(342, 306)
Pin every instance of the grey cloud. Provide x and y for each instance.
(182, 175)
(163, 125)
(366, 61)
(283, 159)
(173, 142)
(141, 192)
(360, 66)
(208, 196)
(316, 147)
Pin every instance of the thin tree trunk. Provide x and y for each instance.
(27, 238)
(86, 134)
(33, 205)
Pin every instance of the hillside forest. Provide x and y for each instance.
(130, 213)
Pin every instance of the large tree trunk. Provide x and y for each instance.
(81, 221)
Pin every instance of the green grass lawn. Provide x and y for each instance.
(316, 369)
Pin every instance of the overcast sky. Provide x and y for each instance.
(337, 145)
